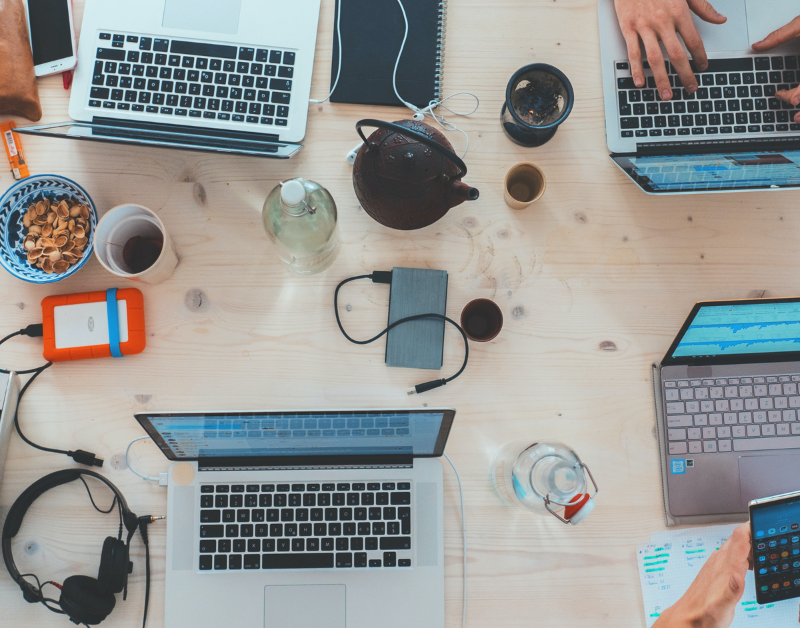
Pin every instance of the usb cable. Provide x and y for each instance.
(385, 276)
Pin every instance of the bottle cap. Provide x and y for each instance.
(580, 507)
(293, 192)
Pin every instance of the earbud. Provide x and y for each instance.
(351, 156)
(419, 116)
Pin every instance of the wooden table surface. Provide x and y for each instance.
(594, 280)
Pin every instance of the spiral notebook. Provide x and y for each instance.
(372, 32)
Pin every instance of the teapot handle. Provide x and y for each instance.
(391, 126)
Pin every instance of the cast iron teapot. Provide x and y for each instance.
(406, 175)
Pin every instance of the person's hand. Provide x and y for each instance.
(775, 38)
(711, 600)
(654, 20)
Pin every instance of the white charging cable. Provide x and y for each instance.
(464, 538)
(339, 70)
(419, 114)
(161, 478)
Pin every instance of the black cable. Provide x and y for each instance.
(143, 523)
(91, 498)
(44, 600)
(385, 277)
(79, 455)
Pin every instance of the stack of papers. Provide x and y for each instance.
(669, 563)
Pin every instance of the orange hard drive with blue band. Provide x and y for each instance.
(93, 325)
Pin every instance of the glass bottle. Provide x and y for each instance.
(544, 477)
(300, 218)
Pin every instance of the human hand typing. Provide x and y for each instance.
(711, 600)
(775, 38)
(654, 20)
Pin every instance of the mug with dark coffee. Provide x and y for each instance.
(132, 242)
(481, 320)
(525, 183)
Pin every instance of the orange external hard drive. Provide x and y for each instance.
(93, 325)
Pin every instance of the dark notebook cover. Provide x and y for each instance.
(372, 32)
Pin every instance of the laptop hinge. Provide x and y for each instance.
(688, 147)
(311, 467)
(188, 130)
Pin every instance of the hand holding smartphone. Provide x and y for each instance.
(775, 530)
(52, 36)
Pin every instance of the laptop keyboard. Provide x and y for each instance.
(735, 414)
(734, 96)
(305, 526)
(173, 79)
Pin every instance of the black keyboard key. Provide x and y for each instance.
(306, 529)
(145, 43)
(207, 546)
(774, 77)
(138, 70)
(267, 488)
(344, 560)
(309, 499)
(270, 70)
(401, 499)
(110, 54)
(224, 545)
(316, 513)
(389, 559)
(338, 498)
(206, 561)
(327, 545)
(234, 79)
(301, 514)
(331, 514)
(231, 530)
(342, 544)
(294, 499)
(242, 515)
(747, 104)
(324, 499)
(174, 61)
(287, 514)
(698, 131)
(95, 103)
(378, 528)
(210, 516)
(251, 501)
(404, 515)
(735, 79)
(395, 542)
(790, 63)
(161, 59)
(212, 531)
(254, 545)
(298, 545)
(253, 561)
(275, 56)
(239, 545)
(194, 113)
(161, 45)
(404, 562)
(382, 499)
(373, 486)
(280, 98)
(207, 501)
(201, 64)
(246, 54)
(165, 73)
(777, 63)
(246, 529)
(762, 63)
(228, 516)
(683, 131)
(288, 58)
(762, 78)
(345, 514)
(748, 78)
(297, 561)
(186, 101)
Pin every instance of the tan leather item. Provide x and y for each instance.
(19, 95)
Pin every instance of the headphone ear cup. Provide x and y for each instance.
(85, 600)
(113, 565)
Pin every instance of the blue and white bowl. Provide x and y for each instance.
(13, 205)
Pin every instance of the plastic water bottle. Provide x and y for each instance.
(544, 477)
(300, 218)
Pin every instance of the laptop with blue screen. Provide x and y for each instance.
(729, 409)
(330, 519)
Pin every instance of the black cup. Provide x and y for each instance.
(539, 97)
(481, 320)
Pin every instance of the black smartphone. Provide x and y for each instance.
(775, 529)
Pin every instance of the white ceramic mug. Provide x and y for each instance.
(122, 223)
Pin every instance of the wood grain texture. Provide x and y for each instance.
(593, 280)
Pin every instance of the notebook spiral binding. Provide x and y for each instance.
(440, 44)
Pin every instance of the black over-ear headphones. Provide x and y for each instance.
(83, 599)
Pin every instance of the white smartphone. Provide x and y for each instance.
(52, 36)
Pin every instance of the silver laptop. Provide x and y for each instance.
(329, 519)
(219, 75)
(729, 389)
(9, 394)
(733, 134)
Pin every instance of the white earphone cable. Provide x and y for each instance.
(339, 70)
(419, 114)
(128, 462)
(464, 539)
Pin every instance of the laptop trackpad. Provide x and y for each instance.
(732, 35)
(210, 16)
(765, 476)
(301, 606)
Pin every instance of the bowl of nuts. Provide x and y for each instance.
(47, 225)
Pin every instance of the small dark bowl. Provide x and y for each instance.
(481, 320)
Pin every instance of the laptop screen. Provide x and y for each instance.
(195, 436)
(712, 172)
(740, 330)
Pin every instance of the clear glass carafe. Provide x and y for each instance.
(300, 218)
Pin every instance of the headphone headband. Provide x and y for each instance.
(31, 494)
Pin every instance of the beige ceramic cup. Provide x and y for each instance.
(525, 184)
(120, 224)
